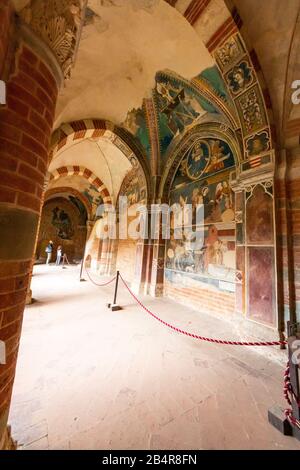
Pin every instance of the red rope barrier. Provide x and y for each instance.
(99, 285)
(201, 338)
(290, 395)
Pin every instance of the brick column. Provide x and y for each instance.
(26, 122)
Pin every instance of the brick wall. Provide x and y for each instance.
(25, 128)
(205, 300)
(126, 258)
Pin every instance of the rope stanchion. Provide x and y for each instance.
(201, 338)
(290, 396)
(99, 285)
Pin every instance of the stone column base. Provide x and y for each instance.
(28, 297)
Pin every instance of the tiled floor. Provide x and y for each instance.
(88, 378)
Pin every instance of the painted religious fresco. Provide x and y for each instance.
(88, 190)
(135, 123)
(179, 107)
(134, 187)
(204, 183)
(205, 157)
(62, 222)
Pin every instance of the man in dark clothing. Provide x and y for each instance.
(49, 251)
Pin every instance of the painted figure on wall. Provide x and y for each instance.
(63, 224)
(240, 77)
(178, 105)
(135, 123)
(205, 157)
(215, 258)
(258, 144)
(216, 197)
(134, 186)
(202, 181)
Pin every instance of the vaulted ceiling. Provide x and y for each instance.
(123, 45)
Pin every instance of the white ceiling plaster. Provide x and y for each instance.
(119, 54)
(101, 157)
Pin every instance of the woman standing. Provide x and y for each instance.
(58, 255)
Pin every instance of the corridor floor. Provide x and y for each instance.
(88, 378)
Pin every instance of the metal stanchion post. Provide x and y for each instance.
(276, 414)
(114, 307)
(81, 279)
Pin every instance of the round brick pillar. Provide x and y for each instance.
(32, 79)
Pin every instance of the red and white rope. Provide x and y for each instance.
(201, 338)
(99, 285)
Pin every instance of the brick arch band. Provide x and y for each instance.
(74, 170)
(73, 132)
(50, 193)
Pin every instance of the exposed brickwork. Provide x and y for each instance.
(25, 132)
(6, 13)
(126, 258)
(209, 300)
(25, 129)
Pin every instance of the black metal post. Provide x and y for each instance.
(276, 414)
(116, 289)
(81, 279)
(114, 307)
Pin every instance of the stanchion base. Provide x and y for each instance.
(277, 418)
(114, 307)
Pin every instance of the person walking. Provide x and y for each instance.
(49, 250)
(59, 254)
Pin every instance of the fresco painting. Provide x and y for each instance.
(260, 142)
(134, 187)
(261, 301)
(259, 217)
(214, 261)
(240, 77)
(135, 123)
(212, 76)
(178, 107)
(62, 222)
(204, 158)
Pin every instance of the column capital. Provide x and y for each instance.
(58, 24)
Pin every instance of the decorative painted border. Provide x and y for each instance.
(68, 134)
(65, 189)
(74, 170)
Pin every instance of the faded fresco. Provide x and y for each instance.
(259, 216)
(63, 224)
(261, 293)
(214, 262)
(179, 107)
(134, 186)
(135, 123)
(82, 185)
